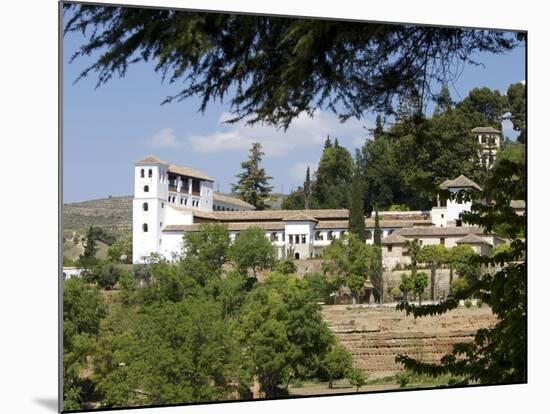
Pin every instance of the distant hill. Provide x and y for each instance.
(111, 213)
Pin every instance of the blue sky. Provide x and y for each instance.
(108, 128)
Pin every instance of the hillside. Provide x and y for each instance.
(113, 213)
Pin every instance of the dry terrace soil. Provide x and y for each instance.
(376, 335)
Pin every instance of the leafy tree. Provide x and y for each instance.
(444, 102)
(105, 275)
(357, 378)
(121, 250)
(459, 257)
(252, 250)
(253, 182)
(205, 252)
(489, 104)
(230, 292)
(378, 129)
(175, 352)
(495, 355)
(284, 332)
(337, 362)
(285, 267)
(434, 256)
(406, 285)
(296, 64)
(88, 257)
(356, 214)
(322, 287)
(333, 178)
(517, 106)
(420, 283)
(412, 249)
(296, 200)
(83, 310)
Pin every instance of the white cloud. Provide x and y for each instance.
(298, 171)
(304, 131)
(164, 138)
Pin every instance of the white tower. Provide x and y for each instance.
(149, 206)
(489, 140)
(451, 214)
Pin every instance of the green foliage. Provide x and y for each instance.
(333, 178)
(459, 286)
(284, 332)
(517, 105)
(498, 355)
(337, 362)
(434, 255)
(105, 275)
(468, 303)
(230, 292)
(67, 261)
(88, 257)
(121, 250)
(399, 207)
(274, 75)
(406, 285)
(295, 200)
(285, 267)
(322, 286)
(83, 310)
(412, 249)
(357, 378)
(253, 186)
(252, 250)
(176, 352)
(205, 252)
(403, 378)
(351, 259)
(356, 206)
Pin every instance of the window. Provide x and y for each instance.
(290, 239)
(442, 241)
(390, 232)
(390, 247)
(145, 228)
(145, 207)
(146, 189)
(161, 224)
(442, 216)
(297, 239)
(273, 236)
(142, 173)
(150, 173)
(303, 238)
(330, 235)
(459, 223)
(297, 256)
(318, 235)
(161, 205)
(185, 202)
(368, 234)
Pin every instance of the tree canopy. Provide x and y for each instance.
(271, 69)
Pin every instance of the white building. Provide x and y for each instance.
(171, 200)
(489, 140)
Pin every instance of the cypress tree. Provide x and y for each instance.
(356, 216)
(377, 277)
(328, 144)
(377, 231)
(253, 182)
(307, 189)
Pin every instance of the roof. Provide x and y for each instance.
(485, 130)
(272, 215)
(472, 239)
(277, 225)
(369, 224)
(394, 238)
(177, 169)
(299, 216)
(439, 231)
(460, 182)
(232, 200)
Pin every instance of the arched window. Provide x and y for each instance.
(390, 232)
(330, 235)
(146, 189)
(273, 236)
(368, 234)
(142, 173)
(145, 207)
(150, 172)
(145, 228)
(318, 235)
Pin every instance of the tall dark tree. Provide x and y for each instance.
(443, 101)
(333, 178)
(356, 214)
(378, 129)
(517, 107)
(271, 69)
(88, 257)
(253, 186)
(377, 275)
(307, 189)
(328, 143)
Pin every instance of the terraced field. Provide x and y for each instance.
(375, 336)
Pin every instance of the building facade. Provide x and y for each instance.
(171, 200)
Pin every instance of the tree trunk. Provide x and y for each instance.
(330, 382)
(450, 277)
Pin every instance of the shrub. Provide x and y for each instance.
(396, 293)
(468, 303)
(479, 303)
(105, 275)
(285, 267)
(458, 286)
(403, 379)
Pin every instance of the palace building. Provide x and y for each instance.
(170, 200)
